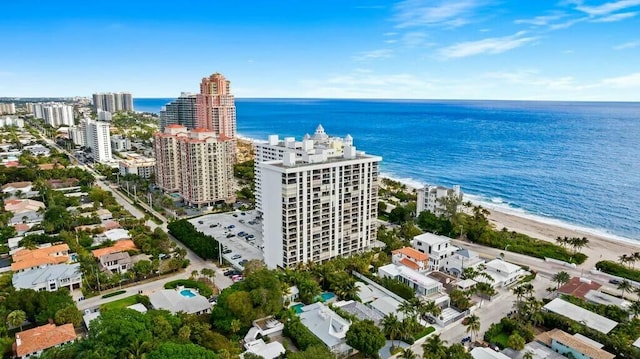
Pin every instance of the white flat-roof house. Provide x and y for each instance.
(502, 272)
(180, 300)
(328, 326)
(437, 247)
(579, 314)
(420, 283)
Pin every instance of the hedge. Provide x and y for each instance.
(618, 270)
(109, 295)
(424, 332)
(300, 335)
(202, 288)
(203, 245)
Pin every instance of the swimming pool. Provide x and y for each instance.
(327, 296)
(187, 293)
(297, 308)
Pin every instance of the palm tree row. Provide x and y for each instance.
(576, 243)
(629, 259)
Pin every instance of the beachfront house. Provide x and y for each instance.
(437, 247)
(463, 258)
(430, 198)
(411, 258)
(581, 315)
(503, 273)
(419, 282)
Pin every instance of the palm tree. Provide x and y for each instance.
(429, 307)
(562, 241)
(560, 278)
(408, 307)
(473, 325)
(636, 257)
(138, 349)
(235, 326)
(527, 355)
(578, 243)
(435, 347)
(634, 308)
(407, 353)
(16, 318)
(391, 327)
(519, 293)
(624, 259)
(625, 287)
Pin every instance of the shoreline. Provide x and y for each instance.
(602, 245)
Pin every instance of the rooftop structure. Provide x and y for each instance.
(565, 343)
(486, 353)
(578, 287)
(597, 297)
(17, 206)
(458, 261)
(49, 278)
(175, 300)
(119, 246)
(578, 314)
(328, 326)
(271, 350)
(411, 258)
(34, 341)
(27, 259)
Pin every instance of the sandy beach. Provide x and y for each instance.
(600, 246)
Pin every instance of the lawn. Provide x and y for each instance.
(120, 303)
(500, 340)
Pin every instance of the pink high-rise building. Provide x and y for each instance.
(216, 106)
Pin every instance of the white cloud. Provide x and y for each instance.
(493, 45)
(626, 81)
(606, 8)
(540, 20)
(391, 33)
(414, 38)
(373, 54)
(413, 13)
(627, 45)
(616, 17)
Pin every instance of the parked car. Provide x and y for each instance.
(251, 236)
(201, 222)
(226, 251)
(228, 272)
(230, 235)
(213, 225)
(241, 221)
(243, 262)
(615, 281)
(237, 278)
(241, 234)
(235, 215)
(236, 256)
(231, 226)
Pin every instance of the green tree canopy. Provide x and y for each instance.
(366, 337)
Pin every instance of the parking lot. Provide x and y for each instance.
(239, 233)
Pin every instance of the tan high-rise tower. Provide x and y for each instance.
(216, 106)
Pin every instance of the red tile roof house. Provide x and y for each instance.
(578, 287)
(34, 341)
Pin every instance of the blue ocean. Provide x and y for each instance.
(577, 162)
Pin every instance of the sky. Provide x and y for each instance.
(587, 50)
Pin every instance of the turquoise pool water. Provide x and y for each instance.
(187, 293)
(327, 296)
(297, 308)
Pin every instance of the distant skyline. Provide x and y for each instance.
(412, 49)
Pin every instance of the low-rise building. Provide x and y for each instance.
(574, 345)
(49, 278)
(119, 246)
(135, 164)
(437, 247)
(430, 198)
(597, 297)
(579, 314)
(18, 206)
(578, 287)
(328, 326)
(463, 258)
(28, 259)
(180, 300)
(271, 350)
(13, 187)
(502, 272)
(419, 282)
(30, 217)
(116, 262)
(32, 342)
(486, 353)
(411, 258)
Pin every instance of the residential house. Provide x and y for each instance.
(113, 235)
(503, 273)
(19, 206)
(437, 247)
(411, 258)
(119, 246)
(579, 314)
(116, 262)
(463, 258)
(27, 259)
(264, 327)
(597, 297)
(578, 287)
(486, 353)
(271, 350)
(180, 300)
(574, 345)
(421, 283)
(16, 188)
(32, 342)
(49, 278)
(31, 217)
(328, 326)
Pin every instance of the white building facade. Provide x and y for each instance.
(430, 197)
(55, 114)
(138, 165)
(98, 138)
(437, 247)
(7, 108)
(319, 205)
(113, 102)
